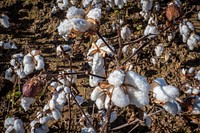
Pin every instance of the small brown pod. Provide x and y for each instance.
(172, 12)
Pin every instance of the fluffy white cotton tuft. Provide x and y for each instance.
(4, 20)
(80, 24)
(119, 98)
(159, 50)
(28, 68)
(19, 126)
(116, 78)
(125, 33)
(165, 93)
(172, 107)
(26, 102)
(95, 93)
(74, 12)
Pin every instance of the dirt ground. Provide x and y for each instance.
(33, 27)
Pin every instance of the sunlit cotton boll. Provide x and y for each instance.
(9, 122)
(26, 102)
(95, 93)
(61, 98)
(199, 15)
(119, 3)
(9, 75)
(80, 25)
(28, 68)
(4, 20)
(151, 29)
(94, 14)
(116, 78)
(197, 76)
(74, 12)
(20, 72)
(159, 50)
(125, 33)
(193, 40)
(40, 62)
(172, 107)
(65, 28)
(100, 101)
(62, 4)
(80, 99)
(56, 114)
(119, 98)
(146, 5)
(137, 88)
(165, 93)
(19, 126)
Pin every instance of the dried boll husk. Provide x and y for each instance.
(74, 12)
(125, 33)
(172, 12)
(4, 20)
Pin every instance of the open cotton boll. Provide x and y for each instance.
(74, 12)
(95, 93)
(94, 14)
(125, 33)
(20, 72)
(172, 107)
(28, 60)
(119, 3)
(153, 30)
(61, 98)
(65, 27)
(4, 20)
(197, 76)
(119, 98)
(86, 3)
(198, 15)
(9, 75)
(160, 81)
(6, 46)
(196, 106)
(10, 129)
(80, 99)
(67, 90)
(62, 4)
(192, 41)
(44, 119)
(13, 46)
(72, 78)
(165, 93)
(159, 50)
(147, 119)
(146, 5)
(28, 68)
(107, 100)
(178, 3)
(39, 65)
(80, 25)
(54, 84)
(94, 81)
(9, 122)
(100, 101)
(63, 48)
(19, 126)
(26, 102)
(56, 114)
(113, 116)
(116, 78)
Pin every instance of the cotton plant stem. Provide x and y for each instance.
(134, 127)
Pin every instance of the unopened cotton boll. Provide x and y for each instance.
(116, 78)
(125, 33)
(4, 20)
(119, 98)
(56, 114)
(74, 12)
(159, 50)
(165, 93)
(80, 25)
(26, 102)
(19, 126)
(119, 3)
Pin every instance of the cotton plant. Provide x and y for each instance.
(78, 22)
(13, 124)
(166, 96)
(146, 8)
(4, 21)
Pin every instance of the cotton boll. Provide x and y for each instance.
(196, 106)
(95, 93)
(197, 76)
(100, 101)
(56, 114)
(20, 72)
(44, 119)
(6, 45)
(40, 65)
(153, 30)
(67, 90)
(157, 6)
(116, 78)
(192, 41)
(159, 50)
(160, 81)
(185, 30)
(154, 60)
(113, 116)
(171, 107)
(28, 60)
(125, 33)
(9, 75)
(119, 3)
(72, 78)
(86, 3)
(178, 3)
(52, 104)
(191, 70)
(147, 120)
(165, 93)
(146, 5)
(65, 27)
(146, 30)
(193, 91)
(13, 46)
(4, 20)
(119, 98)
(26, 102)
(28, 68)
(170, 36)
(94, 14)
(80, 99)
(80, 25)
(10, 129)
(199, 15)
(62, 4)
(125, 50)
(74, 12)
(45, 108)
(61, 98)
(19, 126)
(107, 100)
(9, 122)
(54, 84)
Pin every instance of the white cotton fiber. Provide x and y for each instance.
(116, 78)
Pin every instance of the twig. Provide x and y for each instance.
(134, 127)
